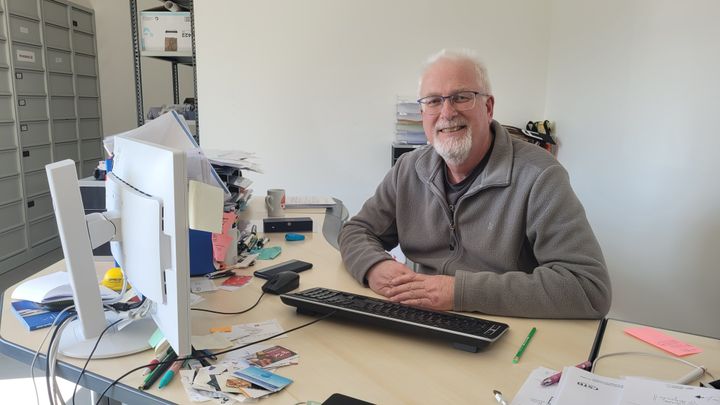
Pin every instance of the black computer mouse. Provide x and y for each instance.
(282, 282)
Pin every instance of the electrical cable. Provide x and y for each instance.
(207, 356)
(47, 358)
(695, 374)
(37, 352)
(97, 342)
(230, 313)
(55, 346)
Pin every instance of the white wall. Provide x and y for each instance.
(633, 87)
(115, 66)
(311, 86)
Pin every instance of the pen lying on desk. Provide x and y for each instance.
(553, 379)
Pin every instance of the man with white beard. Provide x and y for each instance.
(491, 222)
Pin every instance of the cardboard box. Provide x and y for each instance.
(165, 31)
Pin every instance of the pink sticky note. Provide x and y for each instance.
(663, 341)
(221, 243)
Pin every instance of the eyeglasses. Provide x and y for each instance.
(461, 101)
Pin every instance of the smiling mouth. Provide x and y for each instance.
(452, 129)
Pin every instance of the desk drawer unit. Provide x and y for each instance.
(34, 133)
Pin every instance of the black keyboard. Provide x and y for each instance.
(464, 332)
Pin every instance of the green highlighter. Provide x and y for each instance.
(519, 353)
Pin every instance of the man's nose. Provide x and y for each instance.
(447, 109)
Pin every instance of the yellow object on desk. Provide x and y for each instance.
(113, 279)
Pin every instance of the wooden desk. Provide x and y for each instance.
(368, 363)
(616, 340)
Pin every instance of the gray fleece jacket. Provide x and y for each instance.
(518, 242)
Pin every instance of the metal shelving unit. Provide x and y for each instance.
(175, 59)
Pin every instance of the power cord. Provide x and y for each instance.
(48, 356)
(693, 375)
(37, 352)
(97, 342)
(207, 356)
(231, 313)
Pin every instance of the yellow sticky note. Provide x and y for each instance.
(205, 207)
(221, 329)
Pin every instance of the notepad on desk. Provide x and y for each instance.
(54, 287)
(308, 201)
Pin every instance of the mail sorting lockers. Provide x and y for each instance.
(4, 77)
(55, 13)
(86, 86)
(35, 158)
(33, 133)
(6, 108)
(3, 56)
(26, 56)
(32, 108)
(58, 61)
(11, 216)
(62, 107)
(90, 128)
(24, 30)
(83, 43)
(88, 107)
(12, 242)
(10, 190)
(60, 84)
(57, 37)
(8, 140)
(43, 230)
(67, 150)
(82, 20)
(36, 183)
(63, 130)
(25, 8)
(29, 83)
(9, 163)
(39, 207)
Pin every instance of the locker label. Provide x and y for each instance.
(25, 56)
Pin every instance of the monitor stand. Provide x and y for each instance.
(132, 338)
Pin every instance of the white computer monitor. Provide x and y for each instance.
(147, 224)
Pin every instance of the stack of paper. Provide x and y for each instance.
(581, 387)
(408, 128)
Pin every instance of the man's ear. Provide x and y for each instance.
(490, 106)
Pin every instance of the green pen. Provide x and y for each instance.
(167, 377)
(524, 345)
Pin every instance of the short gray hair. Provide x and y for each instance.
(460, 55)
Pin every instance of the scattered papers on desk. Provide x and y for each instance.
(201, 285)
(53, 287)
(238, 382)
(308, 201)
(639, 391)
(213, 341)
(263, 355)
(533, 392)
(232, 283)
(582, 387)
(252, 332)
(195, 299)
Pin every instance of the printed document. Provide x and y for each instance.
(581, 387)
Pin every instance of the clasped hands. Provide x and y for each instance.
(400, 284)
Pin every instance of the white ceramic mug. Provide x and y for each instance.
(275, 202)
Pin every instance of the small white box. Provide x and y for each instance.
(166, 31)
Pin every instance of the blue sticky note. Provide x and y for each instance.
(269, 253)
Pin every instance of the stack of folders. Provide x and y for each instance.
(582, 387)
(231, 166)
(408, 128)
